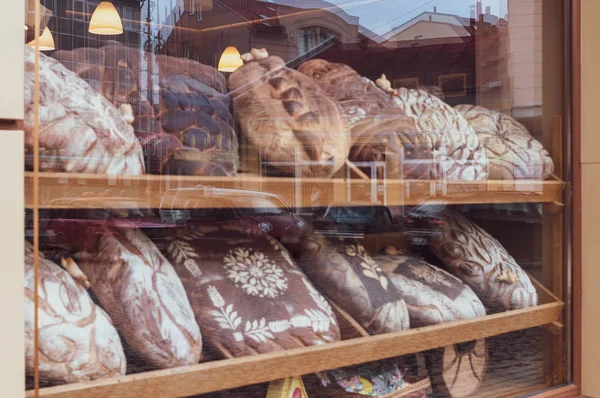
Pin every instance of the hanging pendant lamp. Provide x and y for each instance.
(230, 60)
(46, 41)
(106, 20)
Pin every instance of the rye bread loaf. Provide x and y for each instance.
(246, 291)
(287, 118)
(512, 152)
(432, 295)
(380, 130)
(80, 131)
(77, 341)
(353, 280)
(457, 152)
(480, 261)
(139, 289)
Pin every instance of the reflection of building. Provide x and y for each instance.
(286, 31)
(70, 21)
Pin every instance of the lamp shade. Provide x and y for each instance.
(230, 60)
(46, 41)
(106, 20)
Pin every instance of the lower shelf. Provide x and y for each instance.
(238, 372)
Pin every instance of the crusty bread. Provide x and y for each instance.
(286, 117)
(512, 152)
(77, 341)
(80, 131)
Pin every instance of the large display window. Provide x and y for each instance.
(291, 198)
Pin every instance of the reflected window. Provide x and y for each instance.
(312, 37)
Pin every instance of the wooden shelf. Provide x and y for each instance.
(238, 372)
(148, 190)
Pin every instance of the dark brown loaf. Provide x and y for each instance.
(352, 279)
(80, 131)
(286, 117)
(481, 262)
(380, 130)
(432, 295)
(512, 152)
(141, 292)
(77, 341)
(247, 293)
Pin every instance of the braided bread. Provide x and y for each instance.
(512, 152)
(380, 130)
(480, 261)
(287, 117)
(77, 341)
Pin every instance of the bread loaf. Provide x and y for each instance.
(512, 152)
(287, 118)
(189, 131)
(80, 131)
(247, 292)
(77, 341)
(380, 130)
(480, 261)
(432, 295)
(352, 279)
(141, 292)
(457, 152)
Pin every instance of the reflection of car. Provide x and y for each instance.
(371, 222)
(250, 209)
(422, 222)
(88, 212)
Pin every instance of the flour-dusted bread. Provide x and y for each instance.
(140, 290)
(512, 152)
(246, 292)
(380, 130)
(432, 295)
(80, 131)
(480, 261)
(352, 279)
(287, 118)
(457, 152)
(189, 130)
(77, 341)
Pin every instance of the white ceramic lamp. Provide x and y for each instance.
(46, 41)
(230, 60)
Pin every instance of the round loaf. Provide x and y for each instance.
(432, 295)
(77, 341)
(480, 261)
(246, 291)
(352, 279)
(80, 131)
(512, 152)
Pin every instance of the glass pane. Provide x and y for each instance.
(375, 187)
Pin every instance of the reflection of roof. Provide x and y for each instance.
(450, 19)
(271, 10)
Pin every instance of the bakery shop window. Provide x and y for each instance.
(359, 198)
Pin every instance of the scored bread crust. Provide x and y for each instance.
(286, 117)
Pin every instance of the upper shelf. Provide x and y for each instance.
(64, 190)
